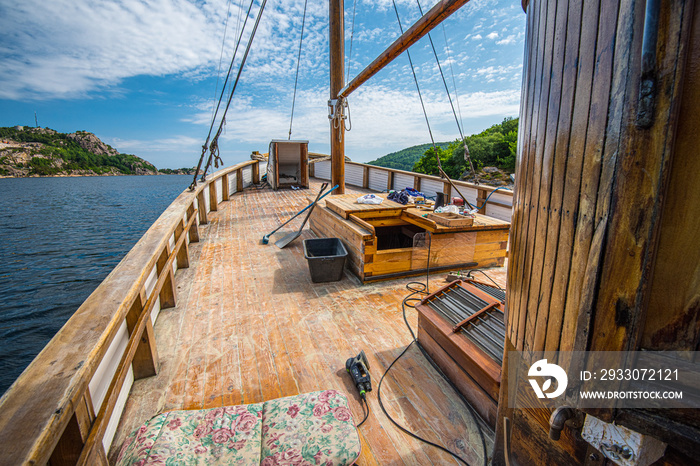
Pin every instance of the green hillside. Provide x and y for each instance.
(494, 147)
(26, 151)
(406, 158)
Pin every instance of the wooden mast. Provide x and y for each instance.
(337, 58)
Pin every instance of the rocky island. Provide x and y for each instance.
(27, 151)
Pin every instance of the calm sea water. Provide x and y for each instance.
(59, 238)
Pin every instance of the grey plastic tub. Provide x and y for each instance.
(326, 258)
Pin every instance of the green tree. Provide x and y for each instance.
(428, 162)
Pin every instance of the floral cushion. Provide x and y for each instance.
(229, 435)
(309, 429)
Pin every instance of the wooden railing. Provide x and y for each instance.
(64, 408)
(500, 204)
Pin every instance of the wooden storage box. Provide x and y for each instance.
(450, 219)
(391, 240)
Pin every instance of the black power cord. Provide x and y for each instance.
(365, 405)
(469, 274)
(424, 289)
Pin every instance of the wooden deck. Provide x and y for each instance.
(250, 326)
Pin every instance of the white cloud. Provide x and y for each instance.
(508, 40)
(492, 36)
(68, 49)
(155, 145)
(490, 72)
(476, 37)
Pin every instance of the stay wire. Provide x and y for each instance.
(469, 274)
(449, 97)
(452, 72)
(214, 144)
(221, 97)
(352, 34)
(415, 79)
(294, 99)
(221, 55)
(425, 113)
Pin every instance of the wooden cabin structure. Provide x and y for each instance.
(288, 164)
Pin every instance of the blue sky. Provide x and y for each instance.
(142, 74)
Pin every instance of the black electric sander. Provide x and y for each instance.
(358, 367)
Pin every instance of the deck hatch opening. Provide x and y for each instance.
(397, 237)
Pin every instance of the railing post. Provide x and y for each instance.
(447, 189)
(194, 230)
(213, 198)
(167, 294)
(416, 183)
(390, 180)
(481, 199)
(202, 208)
(72, 441)
(312, 170)
(224, 188)
(145, 362)
(365, 177)
(183, 259)
(256, 173)
(239, 180)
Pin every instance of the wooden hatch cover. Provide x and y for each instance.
(346, 204)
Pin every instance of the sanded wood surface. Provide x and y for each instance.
(347, 204)
(249, 325)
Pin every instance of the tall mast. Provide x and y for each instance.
(337, 57)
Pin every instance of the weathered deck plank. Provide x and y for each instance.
(250, 325)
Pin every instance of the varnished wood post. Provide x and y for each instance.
(72, 441)
(365, 177)
(239, 180)
(416, 183)
(447, 190)
(312, 170)
(224, 188)
(202, 208)
(194, 230)
(389, 180)
(145, 362)
(213, 198)
(481, 199)
(183, 259)
(337, 59)
(167, 294)
(304, 160)
(256, 173)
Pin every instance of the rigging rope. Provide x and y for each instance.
(294, 99)
(214, 146)
(205, 146)
(449, 97)
(425, 113)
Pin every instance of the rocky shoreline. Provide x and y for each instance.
(42, 152)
